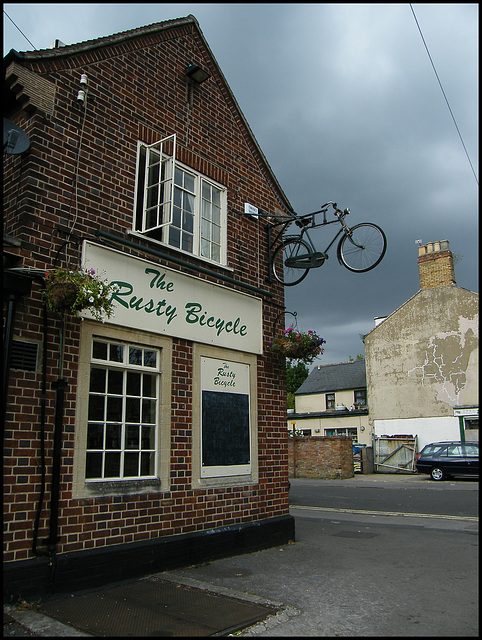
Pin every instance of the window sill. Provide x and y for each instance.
(98, 488)
(225, 481)
(168, 247)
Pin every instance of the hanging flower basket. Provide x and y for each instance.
(296, 345)
(73, 291)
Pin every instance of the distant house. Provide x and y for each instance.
(332, 401)
(422, 360)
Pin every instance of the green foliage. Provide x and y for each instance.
(290, 400)
(296, 374)
(360, 356)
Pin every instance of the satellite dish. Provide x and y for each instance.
(15, 140)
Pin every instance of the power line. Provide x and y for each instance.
(443, 93)
(19, 30)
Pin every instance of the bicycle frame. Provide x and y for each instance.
(315, 258)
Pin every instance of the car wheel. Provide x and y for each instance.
(437, 473)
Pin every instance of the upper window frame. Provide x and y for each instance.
(360, 393)
(330, 401)
(165, 222)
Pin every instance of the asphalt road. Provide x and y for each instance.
(403, 495)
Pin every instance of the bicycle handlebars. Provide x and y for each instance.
(309, 218)
(324, 208)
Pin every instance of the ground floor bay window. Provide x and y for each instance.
(123, 425)
(123, 411)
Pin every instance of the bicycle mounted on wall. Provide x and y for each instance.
(360, 249)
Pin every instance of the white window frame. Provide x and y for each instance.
(342, 431)
(87, 488)
(165, 208)
(167, 163)
(125, 367)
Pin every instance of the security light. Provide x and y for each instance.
(195, 73)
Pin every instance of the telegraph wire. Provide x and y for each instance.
(443, 93)
(19, 30)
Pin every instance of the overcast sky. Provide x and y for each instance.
(346, 106)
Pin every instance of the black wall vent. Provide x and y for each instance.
(23, 355)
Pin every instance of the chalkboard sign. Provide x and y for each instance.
(225, 429)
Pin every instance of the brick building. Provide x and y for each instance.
(158, 437)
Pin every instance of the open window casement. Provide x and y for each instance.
(159, 184)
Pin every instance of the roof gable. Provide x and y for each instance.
(335, 377)
(422, 296)
(73, 56)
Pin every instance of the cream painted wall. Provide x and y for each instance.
(317, 402)
(318, 425)
(423, 359)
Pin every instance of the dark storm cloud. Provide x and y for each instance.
(345, 105)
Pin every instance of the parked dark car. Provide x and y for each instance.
(444, 459)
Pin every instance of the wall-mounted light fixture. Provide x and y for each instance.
(195, 73)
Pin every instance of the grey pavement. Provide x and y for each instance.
(349, 573)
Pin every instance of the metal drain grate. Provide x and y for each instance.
(153, 607)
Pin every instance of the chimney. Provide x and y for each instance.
(435, 265)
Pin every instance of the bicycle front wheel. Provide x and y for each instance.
(292, 248)
(363, 248)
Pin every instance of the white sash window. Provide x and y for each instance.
(123, 411)
(177, 206)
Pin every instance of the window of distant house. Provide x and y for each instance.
(330, 401)
(123, 411)
(348, 431)
(360, 397)
(178, 206)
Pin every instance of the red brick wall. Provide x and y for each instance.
(136, 91)
(329, 457)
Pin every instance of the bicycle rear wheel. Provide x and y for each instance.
(363, 248)
(291, 248)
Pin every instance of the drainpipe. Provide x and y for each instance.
(462, 428)
(43, 406)
(60, 386)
